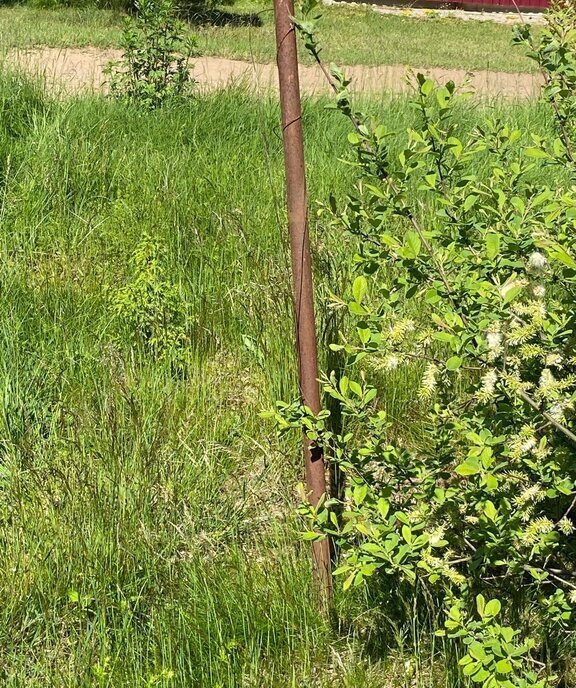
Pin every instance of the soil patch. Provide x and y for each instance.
(76, 69)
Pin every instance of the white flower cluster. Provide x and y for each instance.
(442, 568)
(524, 443)
(537, 262)
(534, 493)
(554, 391)
(547, 383)
(565, 526)
(494, 341)
(558, 409)
(428, 386)
(391, 362)
(536, 529)
(379, 472)
(535, 310)
(487, 389)
(400, 330)
(554, 360)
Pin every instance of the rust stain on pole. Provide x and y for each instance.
(301, 267)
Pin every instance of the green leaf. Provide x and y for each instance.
(511, 294)
(357, 309)
(359, 289)
(412, 244)
(558, 253)
(480, 604)
(559, 148)
(443, 97)
(492, 608)
(469, 467)
(383, 506)
(444, 337)
(491, 481)
(401, 516)
(355, 388)
(504, 666)
(532, 152)
(370, 394)
(364, 334)
(375, 190)
(490, 510)
(348, 582)
(407, 534)
(471, 668)
(492, 245)
(453, 363)
(426, 86)
(469, 202)
(456, 146)
(340, 570)
(309, 536)
(482, 675)
(360, 493)
(455, 613)
(476, 650)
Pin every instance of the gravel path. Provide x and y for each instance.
(537, 18)
(74, 69)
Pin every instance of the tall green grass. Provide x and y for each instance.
(146, 515)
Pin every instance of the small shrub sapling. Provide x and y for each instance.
(156, 64)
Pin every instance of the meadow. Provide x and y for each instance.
(148, 529)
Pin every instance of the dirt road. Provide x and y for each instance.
(74, 69)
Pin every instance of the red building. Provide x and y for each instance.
(507, 5)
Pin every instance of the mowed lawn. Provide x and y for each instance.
(349, 35)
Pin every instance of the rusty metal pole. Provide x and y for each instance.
(305, 325)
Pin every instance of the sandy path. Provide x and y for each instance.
(75, 69)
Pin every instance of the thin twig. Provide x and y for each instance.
(569, 509)
(531, 402)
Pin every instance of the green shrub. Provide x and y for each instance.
(155, 66)
(150, 306)
(467, 279)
